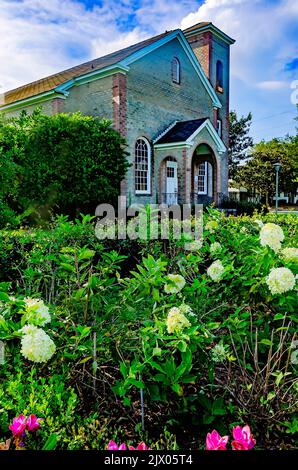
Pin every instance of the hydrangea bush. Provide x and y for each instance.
(207, 336)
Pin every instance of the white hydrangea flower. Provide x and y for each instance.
(290, 255)
(195, 245)
(176, 321)
(216, 270)
(36, 312)
(280, 280)
(259, 223)
(37, 346)
(215, 248)
(176, 285)
(211, 226)
(271, 235)
(218, 353)
(186, 310)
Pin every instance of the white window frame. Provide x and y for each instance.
(219, 127)
(176, 70)
(148, 190)
(205, 179)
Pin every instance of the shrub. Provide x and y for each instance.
(61, 163)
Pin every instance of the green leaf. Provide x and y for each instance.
(51, 442)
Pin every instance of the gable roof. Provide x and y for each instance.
(53, 81)
(180, 131)
(183, 134)
(59, 84)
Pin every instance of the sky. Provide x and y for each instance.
(41, 37)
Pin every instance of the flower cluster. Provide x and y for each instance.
(242, 440)
(175, 284)
(37, 346)
(211, 226)
(290, 255)
(36, 312)
(215, 248)
(113, 446)
(280, 280)
(216, 271)
(20, 425)
(219, 353)
(176, 320)
(271, 235)
(259, 223)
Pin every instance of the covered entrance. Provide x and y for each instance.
(203, 175)
(171, 196)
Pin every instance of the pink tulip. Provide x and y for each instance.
(33, 423)
(141, 446)
(243, 439)
(113, 446)
(18, 425)
(215, 442)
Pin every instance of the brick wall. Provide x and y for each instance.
(154, 102)
(94, 98)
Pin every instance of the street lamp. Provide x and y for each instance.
(277, 167)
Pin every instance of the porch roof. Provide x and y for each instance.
(180, 131)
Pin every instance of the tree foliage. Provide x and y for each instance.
(258, 174)
(66, 163)
(239, 140)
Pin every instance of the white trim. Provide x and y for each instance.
(190, 54)
(165, 131)
(173, 145)
(123, 67)
(176, 70)
(209, 127)
(221, 148)
(205, 192)
(219, 127)
(49, 95)
(210, 27)
(91, 76)
(147, 49)
(148, 191)
(193, 59)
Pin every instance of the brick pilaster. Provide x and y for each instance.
(120, 113)
(119, 103)
(57, 105)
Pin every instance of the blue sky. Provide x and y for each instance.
(39, 38)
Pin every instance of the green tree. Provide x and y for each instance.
(239, 140)
(65, 163)
(258, 174)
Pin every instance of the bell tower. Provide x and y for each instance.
(212, 49)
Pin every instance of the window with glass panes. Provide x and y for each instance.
(142, 166)
(202, 178)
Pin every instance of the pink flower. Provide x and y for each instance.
(141, 446)
(243, 439)
(33, 423)
(18, 425)
(113, 446)
(215, 442)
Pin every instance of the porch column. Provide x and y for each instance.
(187, 175)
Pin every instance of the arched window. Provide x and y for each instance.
(219, 76)
(142, 166)
(176, 72)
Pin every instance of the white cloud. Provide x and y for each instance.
(261, 30)
(272, 85)
(39, 38)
